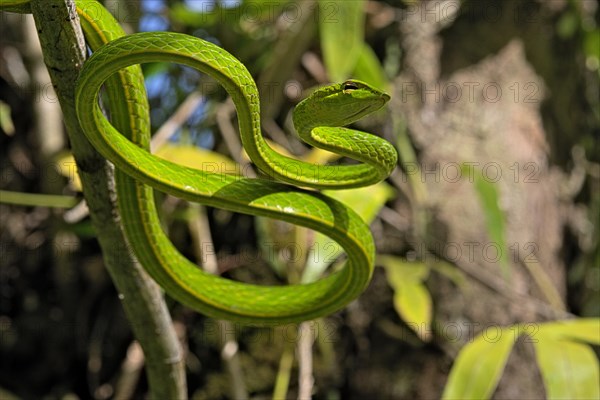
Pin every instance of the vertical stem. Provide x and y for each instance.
(305, 360)
(64, 54)
(282, 381)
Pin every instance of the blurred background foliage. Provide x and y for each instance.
(431, 324)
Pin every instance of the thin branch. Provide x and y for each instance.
(130, 372)
(305, 360)
(231, 137)
(282, 381)
(203, 248)
(182, 114)
(64, 54)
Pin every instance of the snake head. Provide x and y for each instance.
(342, 103)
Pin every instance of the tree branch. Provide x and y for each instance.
(64, 53)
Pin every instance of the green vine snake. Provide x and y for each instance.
(319, 120)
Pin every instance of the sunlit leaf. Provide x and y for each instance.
(569, 369)
(199, 158)
(65, 164)
(320, 156)
(478, 367)
(275, 146)
(6, 122)
(400, 271)
(581, 329)
(412, 300)
(366, 202)
(341, 25)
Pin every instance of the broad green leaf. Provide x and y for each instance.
(478, 367)
(320, 156)
(366, 202)
(569, 369)
(494, 216)
(341, 25)
(580, 329)
(199, 158)
(412, 302)
(369, 69)
(400, 271)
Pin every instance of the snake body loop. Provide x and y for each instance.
(318, 119)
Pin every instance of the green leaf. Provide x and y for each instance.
(341, 25)
(569, 369)
(199, 158)
(478, 367)
(6, 122)
(37, 199)
(369, 69)
(366, 202)
(412, 300)
(580, 329)
(494, 216)
(413, 304)
(400, 271)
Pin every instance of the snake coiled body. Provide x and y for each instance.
(319, 120)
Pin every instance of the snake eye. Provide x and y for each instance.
(350, 86)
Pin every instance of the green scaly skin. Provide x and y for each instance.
(318, 119)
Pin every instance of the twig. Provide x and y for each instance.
(37, 200)
(231, 138)
(202, 239)
(305, 360)
(315, 67)
(64, 54)
(130, 372)
(183, 112)
(204, 250)
(282, 381)
(229, 354)
(500, 287)
(543, 282)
